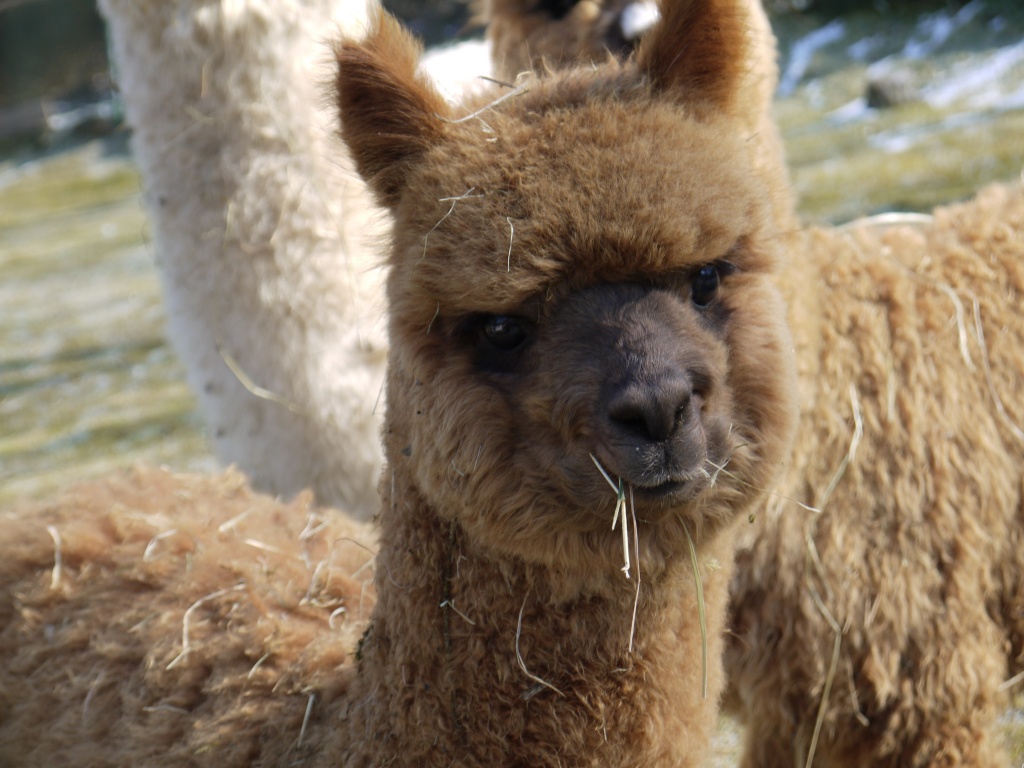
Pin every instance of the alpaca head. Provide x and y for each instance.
(579, 275)
(527, 33)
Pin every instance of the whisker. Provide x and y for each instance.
(774, 494)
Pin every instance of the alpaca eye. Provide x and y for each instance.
(505, 333)
(556, 9)
(705, 285)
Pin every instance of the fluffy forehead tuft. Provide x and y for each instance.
(565, 185)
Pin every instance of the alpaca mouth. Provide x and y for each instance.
(677, 490)
(663, 486)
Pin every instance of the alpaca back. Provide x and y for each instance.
(157, 619)
(910, 343)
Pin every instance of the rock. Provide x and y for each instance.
(891, 89)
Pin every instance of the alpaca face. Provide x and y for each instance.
(579, 277)
(527, 33)
(628, 377)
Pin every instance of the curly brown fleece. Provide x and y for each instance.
(580, 273)
(910, 346)
(541, 35)
(591, 179)
(150, 619)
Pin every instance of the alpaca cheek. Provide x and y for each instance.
(762, 382)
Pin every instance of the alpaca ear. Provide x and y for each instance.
(700, 51)
(390, 115)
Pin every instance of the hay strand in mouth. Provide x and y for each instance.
(604, 474)
(636, 552)
(620, 511)
(701, 615)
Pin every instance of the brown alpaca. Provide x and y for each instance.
(894, 613)
(532, 35)
(527, 35)
(579, 274)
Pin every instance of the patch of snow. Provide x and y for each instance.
(979, 83)
(937, 28)
(802, 53)
(637, 18)
(457, 70)
(850, 112)
(862, 49)
(904, 138)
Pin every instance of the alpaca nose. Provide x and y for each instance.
(651, 412)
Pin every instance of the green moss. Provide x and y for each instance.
(87, 381)
(865, 179)
(38, 191)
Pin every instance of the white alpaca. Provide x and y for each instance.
(264, 235)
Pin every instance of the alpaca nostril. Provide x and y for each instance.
(651, 413)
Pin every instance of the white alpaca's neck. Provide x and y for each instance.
(263, 235)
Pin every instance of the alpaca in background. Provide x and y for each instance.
(151, 619)
(878, 608)
(543, 347)
(527, 35)
(265, 236)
